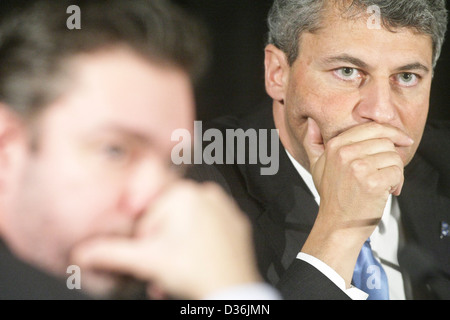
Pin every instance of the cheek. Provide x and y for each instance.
(55, 209)
(413, 114)
(413, 119)
(77, 203)
(88, 205)
(309, 96)
(415, 124)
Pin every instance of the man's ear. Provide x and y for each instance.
(12, 138)
(276, 72)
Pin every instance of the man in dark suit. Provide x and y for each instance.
(350, 84)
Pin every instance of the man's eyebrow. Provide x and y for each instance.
(137, 137)
(361, 64)
(413, 66)
(128, 133)
(347, 59)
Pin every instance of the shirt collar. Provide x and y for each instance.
(306, 176)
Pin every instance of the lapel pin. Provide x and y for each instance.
(444, 229)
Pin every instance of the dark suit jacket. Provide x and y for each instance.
(20, 281)
(282, 211)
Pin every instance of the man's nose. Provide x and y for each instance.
(376, 103)
(145, 184)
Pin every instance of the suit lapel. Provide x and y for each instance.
(289, 208)
(423, 209)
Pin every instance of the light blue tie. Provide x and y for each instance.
(369, 275)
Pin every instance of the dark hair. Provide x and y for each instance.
(35, 42)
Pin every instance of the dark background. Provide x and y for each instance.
(235, 81)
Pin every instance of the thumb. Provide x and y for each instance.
(313, 143)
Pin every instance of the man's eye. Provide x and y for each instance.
(347, 74)
(407, 79)
(115, 152)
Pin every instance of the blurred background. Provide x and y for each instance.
(235, 81)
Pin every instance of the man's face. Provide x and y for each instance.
(103, 156)
(347, 74)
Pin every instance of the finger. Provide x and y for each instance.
(385, 159)
(313, 142)
(168, 201)
(375, 131)
(116, 255)
(392, 179)
(393, 162)
(370, 147)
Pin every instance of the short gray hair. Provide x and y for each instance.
(288, 19)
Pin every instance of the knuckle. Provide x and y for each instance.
(344, 154)
(333, 144)
(359, 166)
(373, 184)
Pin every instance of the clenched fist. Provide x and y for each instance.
(354, 173)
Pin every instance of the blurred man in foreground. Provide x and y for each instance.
(86, 116)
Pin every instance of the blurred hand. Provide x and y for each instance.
(192, 242)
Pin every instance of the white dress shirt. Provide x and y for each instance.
(385, 241)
